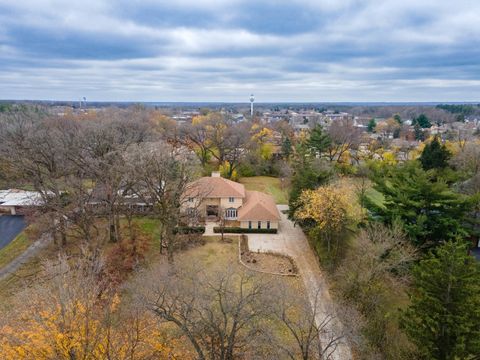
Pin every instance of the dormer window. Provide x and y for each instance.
(231, 199)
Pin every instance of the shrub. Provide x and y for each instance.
(246, 170)
(187, 241)
(238, 230)
(189, 230)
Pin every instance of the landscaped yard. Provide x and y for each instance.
(269, 185)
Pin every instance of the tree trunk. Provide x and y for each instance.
(63, 231)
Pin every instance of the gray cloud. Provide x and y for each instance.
(205, 50)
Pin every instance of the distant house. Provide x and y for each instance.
(15, 201)
(214, 197)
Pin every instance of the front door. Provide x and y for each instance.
(212, 210)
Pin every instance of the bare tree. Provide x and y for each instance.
(104, 145)
(218, 312)
(344, 136)
(36, 149)
(159, 177)
(311, 334)
(196, 136)
(234, 146)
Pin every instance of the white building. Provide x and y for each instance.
(13, 200)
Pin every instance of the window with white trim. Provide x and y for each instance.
(231, 213)
(268, 224)
(231, 199)
(259, 224)
(249, 224)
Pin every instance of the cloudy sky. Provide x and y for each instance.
(213, 50)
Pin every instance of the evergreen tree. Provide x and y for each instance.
(319, 141)
(306, 175)
(419, 134)
(286, 147)
(423, 121)
(371, 126)
(428, 209)
(435, 155)
(443, 319)
(398, 119)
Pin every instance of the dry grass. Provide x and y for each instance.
(14, 249)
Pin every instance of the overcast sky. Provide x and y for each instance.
(213, 50)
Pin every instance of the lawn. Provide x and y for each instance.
(14, 249)
(224, 255)
(269, 185)
(151, 228)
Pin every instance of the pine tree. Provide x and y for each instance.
(319, 141)
(435, 155)
(371, 126)
(444, 317)
(286, 147)
(423, 121)
(428, 209)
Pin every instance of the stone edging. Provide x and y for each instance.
(263, 271)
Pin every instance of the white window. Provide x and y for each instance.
(259, 224)
(231, 199)
(268, 224)
(249, 224)
(231, 213)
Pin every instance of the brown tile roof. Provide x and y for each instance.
(215, 187)
(258, 207)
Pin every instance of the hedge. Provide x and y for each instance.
(239, 230)
(189, 230)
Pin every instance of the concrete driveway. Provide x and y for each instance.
(10, 227)
(291, 240)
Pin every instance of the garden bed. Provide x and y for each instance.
(267, 262)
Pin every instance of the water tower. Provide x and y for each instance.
(252, 99)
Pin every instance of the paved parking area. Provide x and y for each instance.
(10, 227)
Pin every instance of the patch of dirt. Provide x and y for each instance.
(266, 262)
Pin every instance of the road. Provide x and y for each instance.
(10, 227)
(291, 240)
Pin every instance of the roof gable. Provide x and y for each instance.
(258, 206)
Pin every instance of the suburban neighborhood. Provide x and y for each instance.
(239, 180)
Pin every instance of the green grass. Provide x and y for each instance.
(150, 227)
(14, 249)
(268, 185)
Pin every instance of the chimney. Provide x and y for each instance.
(215, 173)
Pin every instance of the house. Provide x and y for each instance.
(214, 197)
(14, 201)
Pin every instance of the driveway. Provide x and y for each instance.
(291, 240)
(10, 227)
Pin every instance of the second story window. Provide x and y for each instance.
(231, 199)
(190, 199)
